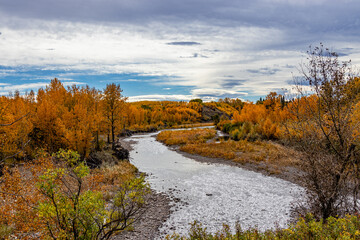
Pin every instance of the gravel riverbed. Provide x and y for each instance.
(165, 207)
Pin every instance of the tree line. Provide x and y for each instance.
(82, 119)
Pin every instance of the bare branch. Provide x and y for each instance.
(9, 124)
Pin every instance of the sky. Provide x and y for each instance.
(171, 50)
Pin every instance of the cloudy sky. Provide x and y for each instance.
(170, 50)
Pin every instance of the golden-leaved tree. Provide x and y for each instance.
(113, 104)
(325, 129)
(15, 124)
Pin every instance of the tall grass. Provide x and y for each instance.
(196, 141)
(243, 151)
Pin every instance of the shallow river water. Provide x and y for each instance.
(212, 194)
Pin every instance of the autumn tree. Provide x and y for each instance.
(49, 128)
(274, 100)
(324, 128)
(82, 119)
(113, 102)
(15, 124)
(69, 117)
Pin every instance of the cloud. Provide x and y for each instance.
(189, 43)
(21, 87)
(183, 43)
(312, 16)
(298, 80)
(289, 66)
(159, 97)
(196, 55)
(264, 71)
(294, 91)
(217, 93)
(6, 88)
(231, 83)
(205, 94)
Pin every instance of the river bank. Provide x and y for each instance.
(288, 173)
(158, 210)
(266, 157)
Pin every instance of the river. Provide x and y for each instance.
(212, 194)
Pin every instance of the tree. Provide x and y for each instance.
(15, 124)
(49, 127)
(72, 212)
(324, 128)
(198, 100)
(113, 103)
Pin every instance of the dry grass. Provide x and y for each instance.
(186, 136)
(243, 151)
(117, 174)
(212, 150)
(194, 125)
(108, 179)
(270, 153)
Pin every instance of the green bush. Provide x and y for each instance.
(71, 211)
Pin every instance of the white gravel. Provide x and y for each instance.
(212, 194)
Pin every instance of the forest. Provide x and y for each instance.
(49, 192)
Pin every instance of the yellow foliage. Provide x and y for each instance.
(185, 136)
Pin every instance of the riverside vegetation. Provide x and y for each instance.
(49, 192)
(203, 142)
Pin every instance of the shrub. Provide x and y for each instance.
(57, 198)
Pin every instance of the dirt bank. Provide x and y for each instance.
(157, 211)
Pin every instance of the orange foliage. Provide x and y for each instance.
(185, 136)
(19, 197)
(152, 114)
(251, 113)
(60, 118)
(15, 124)
(262, 120)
